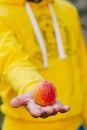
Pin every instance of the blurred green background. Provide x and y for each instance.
(82, 9)
(1, 115)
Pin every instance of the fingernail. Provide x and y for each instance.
(67, 108)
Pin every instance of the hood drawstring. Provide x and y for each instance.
(37, 33)
(57, 33)
(40, 37)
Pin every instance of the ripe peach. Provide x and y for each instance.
(44, 93)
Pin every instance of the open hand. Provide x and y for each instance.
(36, 110)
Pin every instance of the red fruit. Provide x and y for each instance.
(44, 93)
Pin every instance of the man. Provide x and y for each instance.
(41, 40)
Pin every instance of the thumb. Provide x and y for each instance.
(20, 100)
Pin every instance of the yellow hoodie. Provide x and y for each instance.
(24, 61)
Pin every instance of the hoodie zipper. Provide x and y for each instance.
(40, 37)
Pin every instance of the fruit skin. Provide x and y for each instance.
(44, 93)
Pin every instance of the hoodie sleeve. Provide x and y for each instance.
(15, 65)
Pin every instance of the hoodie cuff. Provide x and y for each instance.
(29, 87)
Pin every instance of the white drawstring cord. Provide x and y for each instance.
(37, 33)
(57, 33)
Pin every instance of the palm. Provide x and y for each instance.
(37, 110)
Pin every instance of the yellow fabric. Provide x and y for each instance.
(25, 125)
(21, 62)
(19, 2)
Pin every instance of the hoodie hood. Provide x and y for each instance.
(21, 1)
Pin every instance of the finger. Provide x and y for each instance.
(56, 107)
(20, 100)
(59, 107)
(54, 113)
(44, 115)
(47, 109)
(33, 109)
(65, 109)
